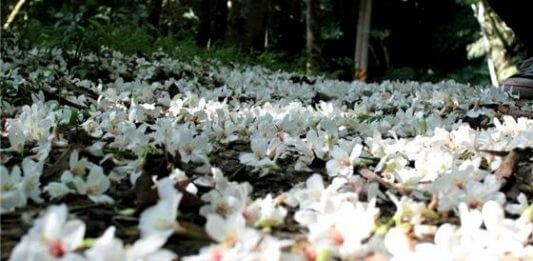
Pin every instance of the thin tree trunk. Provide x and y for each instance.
(219, 21)
(256, 18)
(361, 44)
(312, 34)
(479, 10)
(517, 15)
(156, 6)
(203, 11)
(14, 13)
(236, 30)
(492, 54)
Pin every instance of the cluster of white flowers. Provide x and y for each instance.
(415, 137)
(17, 188)
(55, 237)
(72, 181)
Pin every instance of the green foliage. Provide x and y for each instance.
(474, 73)
(466, 2)
(127, 39)
(122, 25)
(130, 39)
(462, 30)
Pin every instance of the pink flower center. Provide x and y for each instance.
(336, 237)
(217, 255)
(248, 215)
(57, 249)
(310, 254)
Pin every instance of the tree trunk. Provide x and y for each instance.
(345, 10)
(361, 44)
(203, 10)
(312, 33)
(219, 21)
(256, 18)
(236, 31)
(213, 16)
(517, 15)
(496, 43)
(284, 26)
(156, 7)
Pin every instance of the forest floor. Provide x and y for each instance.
(261, 164)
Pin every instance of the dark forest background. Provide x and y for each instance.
(424, 40)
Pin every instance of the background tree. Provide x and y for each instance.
(312, 33)
(213, 16)
(415, 39)
(517, 16)
(361, 44)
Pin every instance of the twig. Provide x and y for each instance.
(496, 152)
(515, 112)
(371, 175)
(13, 13)
(508, 166)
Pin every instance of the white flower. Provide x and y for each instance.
(319, 142)
(312, 194)
(16, 137)
(315, 199)
(30, 183)
(132, 138)
(109, 248)
(460, 186)
(510, 125)
(478, 193)
(57, 190)
(36, 121)
(431, 163)
(97, 149)
(224, 132)
(67, 184)
(508, 236)
(193, 149)
(398, 243)
(226, 198)
(16, 189)
(408, 210)
(465, 138)
(231, 231)
(265, 213)
(342, 163)
(160, 220)
(336, 231)
(11, 194)
(51, 237)
(95, 186)
(165, 133)
(259, 156)
(306, 153)
(77, 165)
(517, 209)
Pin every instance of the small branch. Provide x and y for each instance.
(509, 110)
(508, 166)
(13, 13)
(372, 176)
(515, 112)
